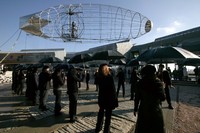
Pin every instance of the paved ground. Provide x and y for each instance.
(17, 116)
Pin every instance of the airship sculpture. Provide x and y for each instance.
(91, 22)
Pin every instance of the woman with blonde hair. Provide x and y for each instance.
(107, 98)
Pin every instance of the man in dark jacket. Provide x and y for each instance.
(34, 85)
(72, 91)
(87, 80)
(121, 80)
(164, 76)
(133, 81)
(44, 87)
(58, 82)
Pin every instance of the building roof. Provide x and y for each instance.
(39, 50)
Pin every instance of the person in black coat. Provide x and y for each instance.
(95, 80)
(87, 79)
(21, 81)
(72, 91)
(164, 76)
(149, 94)
(133, 81)
(58, 82)
(34, 82)
(107, 98)
(79, 76)
(44, 87)
(121, 80)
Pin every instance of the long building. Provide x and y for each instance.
(33, 56)
(30, 56)
(188, 39)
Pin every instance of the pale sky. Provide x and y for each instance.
(168, 17)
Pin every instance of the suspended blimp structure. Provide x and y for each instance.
(91, 22)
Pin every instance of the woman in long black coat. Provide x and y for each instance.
(149, 94)
(58, 82)
(44, 87)
(72, 91)
(107, 98)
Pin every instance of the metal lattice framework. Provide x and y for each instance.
(86, 22)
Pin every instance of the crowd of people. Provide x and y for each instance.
(149, 88)
(182, 74)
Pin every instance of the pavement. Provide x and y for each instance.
(18, 116)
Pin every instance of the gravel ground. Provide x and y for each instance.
(187, 117)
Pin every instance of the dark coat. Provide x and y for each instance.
(34, 81)
(72, 79)
(58, 80)
(95, 77)
(107, 98)
(149, 94)
(44, 81)
(121, 76)
(87, 76)
(165, 77)
(134, 79)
